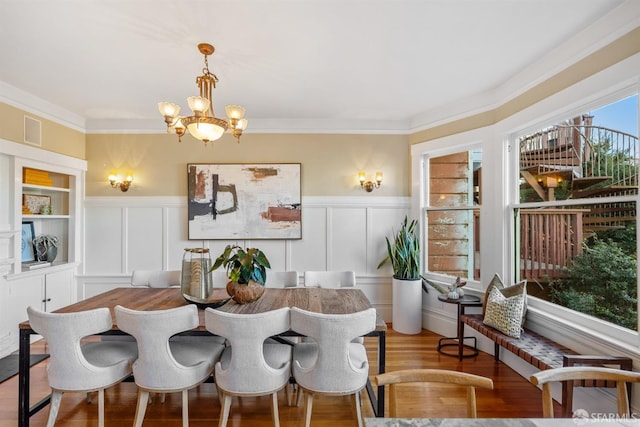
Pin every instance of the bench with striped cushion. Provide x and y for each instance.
(544, 353)
(535, 349)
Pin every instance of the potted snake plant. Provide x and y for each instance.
(403, 252)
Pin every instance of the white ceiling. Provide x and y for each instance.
(306, 65)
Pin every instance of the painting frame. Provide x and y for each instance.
(28, 253)
(244, 201)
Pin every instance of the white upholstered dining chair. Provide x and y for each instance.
(163, 365)
(250, 366)
(77, 367)
(282, 279)
(156, 278)
(330, 279)
(331, 363)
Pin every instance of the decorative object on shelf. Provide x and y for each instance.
(368, 186)
(28, 252)
(404, 255)
(244, 201)
(196, 283)
(36, 177)
(247, 272)
(35, 202)
(46, 247)
(203, 124)
(117, 181)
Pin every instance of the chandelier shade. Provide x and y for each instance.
(203, 124)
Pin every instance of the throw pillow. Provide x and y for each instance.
(508, 291)
(517, 289)
(504, 313)
(496, 282)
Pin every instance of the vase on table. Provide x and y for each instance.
(243, 293)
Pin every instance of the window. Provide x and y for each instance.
(576, 216)
(453, 214)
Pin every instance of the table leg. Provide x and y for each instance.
(382, 354)
(458, 341)
(24, 357)
(460, 332)
(377, 397)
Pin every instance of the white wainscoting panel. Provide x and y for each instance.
(145, 236)
(347, 239)
(310, 252)
(338, 233)
(104, 243)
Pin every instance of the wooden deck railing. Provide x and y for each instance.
(549, 240)
(588, 151)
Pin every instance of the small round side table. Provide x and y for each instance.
(459, 340)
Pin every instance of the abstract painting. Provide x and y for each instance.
(244, 201)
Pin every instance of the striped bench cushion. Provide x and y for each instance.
(535, 349)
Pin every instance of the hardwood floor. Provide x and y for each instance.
(512, 397)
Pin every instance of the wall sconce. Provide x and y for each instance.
(369, 185)
(117, 182)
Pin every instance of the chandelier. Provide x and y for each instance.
(203, 124)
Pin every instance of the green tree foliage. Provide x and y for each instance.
(601, 283)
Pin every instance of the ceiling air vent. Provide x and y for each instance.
(32, 131)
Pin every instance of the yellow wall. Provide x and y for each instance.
(330, 163)
(616, 51)
(55, 137)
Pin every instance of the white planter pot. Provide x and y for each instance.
(407, 306)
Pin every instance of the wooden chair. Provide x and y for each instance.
(616, 362)
(622, 377)
(442, 376)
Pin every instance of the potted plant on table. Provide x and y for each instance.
(404, 255)
(246, 270)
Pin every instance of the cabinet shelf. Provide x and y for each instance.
(45, 217)
(45, 188)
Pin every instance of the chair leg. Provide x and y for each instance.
(288, 391)
(101, 407)
(299, 394)
(358, 404)
(226, 405)
(275, 416)
(307, 410)
(185, 408)
(141, 408)
(56, 397)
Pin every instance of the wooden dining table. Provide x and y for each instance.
(320, 300)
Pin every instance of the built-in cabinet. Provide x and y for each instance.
(62, 188)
